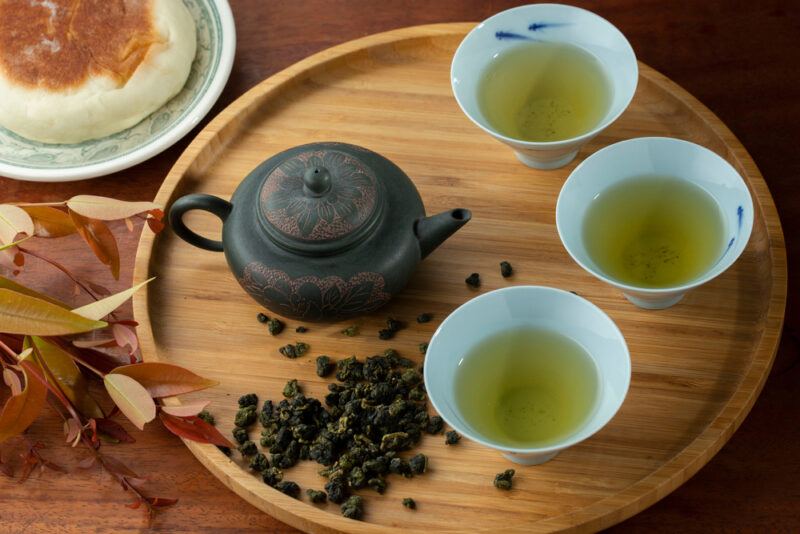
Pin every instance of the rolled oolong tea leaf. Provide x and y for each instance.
(418, 464)
(251, 399)
(289, 488)
(503, 480)
(262, 318)
(316, 496)
(451, 437)
(225, 450)
(353, 507)
(246, 416)
(349, 369)
(294, 351)
(473, 280)
(275, 326)
(239, 435)
(272, 476)
(324, 366)
(259, 463)
(394, 325)
(424, 317)
(385, 334)
(505, 269)
(377, 483)
(207, 417)
(337, 489)
(396, 441)
(423, 347)
(291, 389)
(248, 448)
(399, 466)
(350, 331)
(409, 503)
(301, 329)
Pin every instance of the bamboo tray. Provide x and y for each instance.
(697, 367)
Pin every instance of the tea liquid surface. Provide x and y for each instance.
(654, 231)
(526, 387)
(544, 92)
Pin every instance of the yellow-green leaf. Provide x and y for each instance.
(50, 222)
(5, 283)
(14, 220)
(68, 377)
(23, 409)
(107, 209)
(25, 314)
(165, 379)
(99, 309)
(131, 398)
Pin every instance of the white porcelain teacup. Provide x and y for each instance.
(541, 307)
(655, 156)
(550, 23)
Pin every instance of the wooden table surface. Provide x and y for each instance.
(740, 58)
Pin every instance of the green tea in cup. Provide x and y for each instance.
(654, 231)
(527, 387)
(544, 91)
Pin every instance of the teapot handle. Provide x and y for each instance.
(217, 206)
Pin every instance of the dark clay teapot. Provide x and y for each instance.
(322, 231)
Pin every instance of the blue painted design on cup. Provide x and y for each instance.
(740, 214)
(537, 26)
(504, 35)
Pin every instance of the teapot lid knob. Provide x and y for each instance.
(316, 181)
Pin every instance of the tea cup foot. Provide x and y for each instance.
(530, 458)
(543, 162)
(654, 303)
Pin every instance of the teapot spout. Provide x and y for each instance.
(432, 231)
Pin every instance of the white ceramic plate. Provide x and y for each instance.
(41, 162)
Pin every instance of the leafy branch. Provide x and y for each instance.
(44, 361)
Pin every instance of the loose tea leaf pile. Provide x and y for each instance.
(375, 411)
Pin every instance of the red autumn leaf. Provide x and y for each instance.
(114, 430)
(100, 240)
(91, 343)
(186, 410)
(134, 505)
(97, 288)
(86, 463)
(105, 363)
(21, 410)
(116, 467)
(50, 222)
(194, 429)
(165, 379)
(157, 214)
(156, 225)
(12, 380)
(161, 502)
(125, 336)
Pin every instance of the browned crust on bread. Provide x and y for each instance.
(58, 44)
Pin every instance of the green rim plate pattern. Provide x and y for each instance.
(27, 159)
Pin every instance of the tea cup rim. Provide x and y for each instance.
(605, 123)
(597, 421)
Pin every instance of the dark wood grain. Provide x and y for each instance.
(739, 58)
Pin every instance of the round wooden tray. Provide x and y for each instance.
(697, 367)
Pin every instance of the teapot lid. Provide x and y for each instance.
(321, 199)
